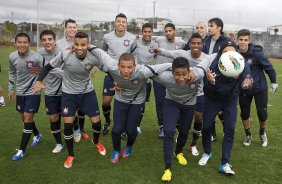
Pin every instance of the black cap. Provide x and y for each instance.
(227, 44)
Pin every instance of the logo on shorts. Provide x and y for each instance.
(105, 90)
(136, 81)
(19, 107)
(29, 64)
(126, 42)
(65, 110)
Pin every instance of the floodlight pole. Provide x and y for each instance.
(37, 25)
(154, 14)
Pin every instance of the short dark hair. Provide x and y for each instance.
(217, 22)
(22, 35)
(47, 32)
(121, 15)
(81, 34)
(243, 32)
(180, 62)
(126, 57)
(147, 25)
(69, 21)
(170, 25)
(195, 35)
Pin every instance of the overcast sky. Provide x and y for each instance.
(252, 14)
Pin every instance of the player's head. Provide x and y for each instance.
(147, 32)
(48, 40)
(126, 65)
(227, 46)
(231, 36)
(215, 26)
(196, 45)
(81, 43)
(243, 40)
(70, 28)
(169, 30)
(201, 28)
(22, 42)
(120, 22)
(180, 71)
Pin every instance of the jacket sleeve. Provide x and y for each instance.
(267, 67)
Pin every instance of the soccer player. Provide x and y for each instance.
(201, 28)
(222, 93)
(194, 56)
(128, 104)
(65, 43)
(180, 100)
(77, 91)
(212, 45)
(259, 64)
(23, 64)
(145, 57)
(168, 42)
(53, 90)
(115, 43)
(2, 101)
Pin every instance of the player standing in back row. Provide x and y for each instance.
(115, 43)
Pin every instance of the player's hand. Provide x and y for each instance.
(117, 89)
(273, 87)
(210, 76)
(34, 69)
(37, 87)
(248, 82)
(154, 50)
(191, 76)
(11, 95)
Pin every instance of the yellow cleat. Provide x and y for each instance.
(167, 176)
(181, 159)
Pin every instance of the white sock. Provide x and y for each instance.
(1, 99)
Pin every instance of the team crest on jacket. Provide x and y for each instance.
(126, 42)
(192, 86)
(88, 66)
(135, 82)
(250, 61)
(29, 64)
(65, 110)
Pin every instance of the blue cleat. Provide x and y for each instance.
(18, 156)
(226, 169)
(36, 140)
(126, 151)
(115, 157)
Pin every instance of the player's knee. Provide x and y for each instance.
(54, 117)
(262, 115)
(245, 115)
(169, 133)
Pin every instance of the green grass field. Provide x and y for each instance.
(252, 164)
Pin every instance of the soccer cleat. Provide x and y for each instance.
(124, 136)
(126, 151)
(115, 157)
(101, 149)
(106, 128)
(226, 168)
(204, 159)
(68, 163)
(58, 148)
(248, 140)
(84, 135)
(167, 176)
(194, 150)
(181, 159)
(36, 140)
(161, 133)
(77, 135)
(2, 104)
(263, 140)
(18, 156)
(139, 132)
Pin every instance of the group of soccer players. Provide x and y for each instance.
(186, 82)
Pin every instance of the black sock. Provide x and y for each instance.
(196, 132)
(35, 130)
(75, 123)
(27, 131)
(261, 131)
(248, 132)
(56, 131)
(107, 113)
(68, 135)
(81, 120)
(141, 117)
(167, 166)
(96, 131)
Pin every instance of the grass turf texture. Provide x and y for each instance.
(252, 164)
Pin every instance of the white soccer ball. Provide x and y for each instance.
(231, 64)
